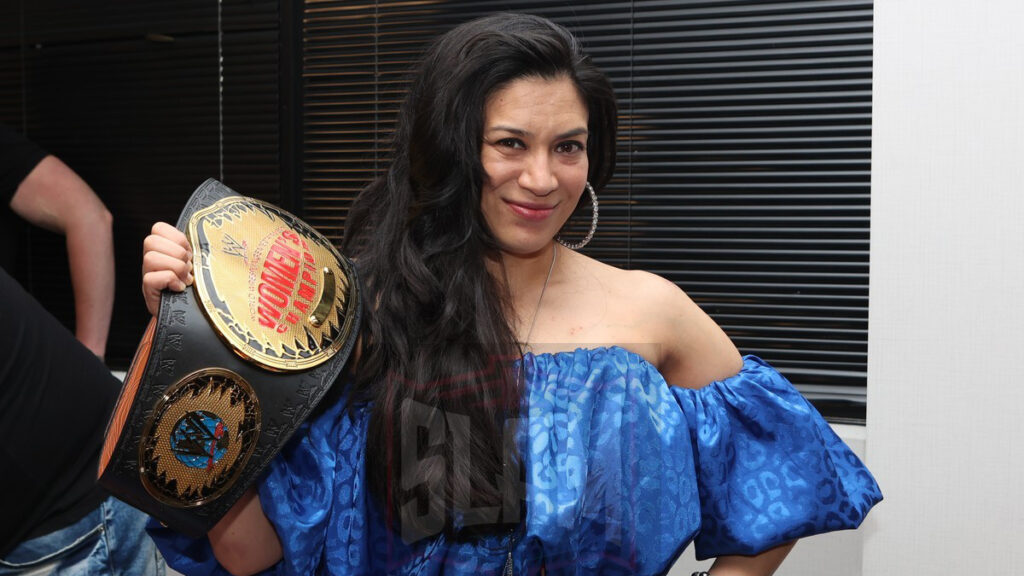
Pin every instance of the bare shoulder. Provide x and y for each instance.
(675, 334)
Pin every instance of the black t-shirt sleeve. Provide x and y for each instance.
(18, 156)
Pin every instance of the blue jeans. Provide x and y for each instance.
(110, 540)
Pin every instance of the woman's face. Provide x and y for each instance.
(535, 161)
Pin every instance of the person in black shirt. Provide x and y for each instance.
(56, 396)
(37, 188)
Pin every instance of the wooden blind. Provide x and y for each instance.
(751, 179)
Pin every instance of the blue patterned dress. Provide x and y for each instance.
(623, 471)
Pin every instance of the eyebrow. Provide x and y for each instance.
(521, 132)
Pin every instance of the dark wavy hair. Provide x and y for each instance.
(437, 344)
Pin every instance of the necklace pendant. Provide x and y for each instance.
(508, 571)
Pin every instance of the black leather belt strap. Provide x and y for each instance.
(201, 415)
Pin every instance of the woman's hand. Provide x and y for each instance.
(166, 263)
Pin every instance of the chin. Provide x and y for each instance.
(524, 248)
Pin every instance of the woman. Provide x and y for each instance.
(509, 410)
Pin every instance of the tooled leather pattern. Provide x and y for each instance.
(185, 342)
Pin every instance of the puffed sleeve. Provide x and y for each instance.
(769, 468)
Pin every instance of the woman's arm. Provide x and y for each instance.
(763, 564)
(694, 351)
(243, 541)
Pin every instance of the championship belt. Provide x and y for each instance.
(230, 367)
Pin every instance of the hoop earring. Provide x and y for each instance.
(593, 223)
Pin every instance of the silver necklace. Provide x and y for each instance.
(509, 563)
(536, 312)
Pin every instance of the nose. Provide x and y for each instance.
(537, 175)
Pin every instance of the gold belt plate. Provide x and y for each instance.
(274, 289)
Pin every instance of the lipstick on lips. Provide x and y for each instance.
(530, 211)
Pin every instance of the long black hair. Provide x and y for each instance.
(436, 339)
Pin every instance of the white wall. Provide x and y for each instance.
(945, 385)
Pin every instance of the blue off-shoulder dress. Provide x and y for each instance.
(623, 471)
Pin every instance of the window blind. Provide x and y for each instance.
(743, 163)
